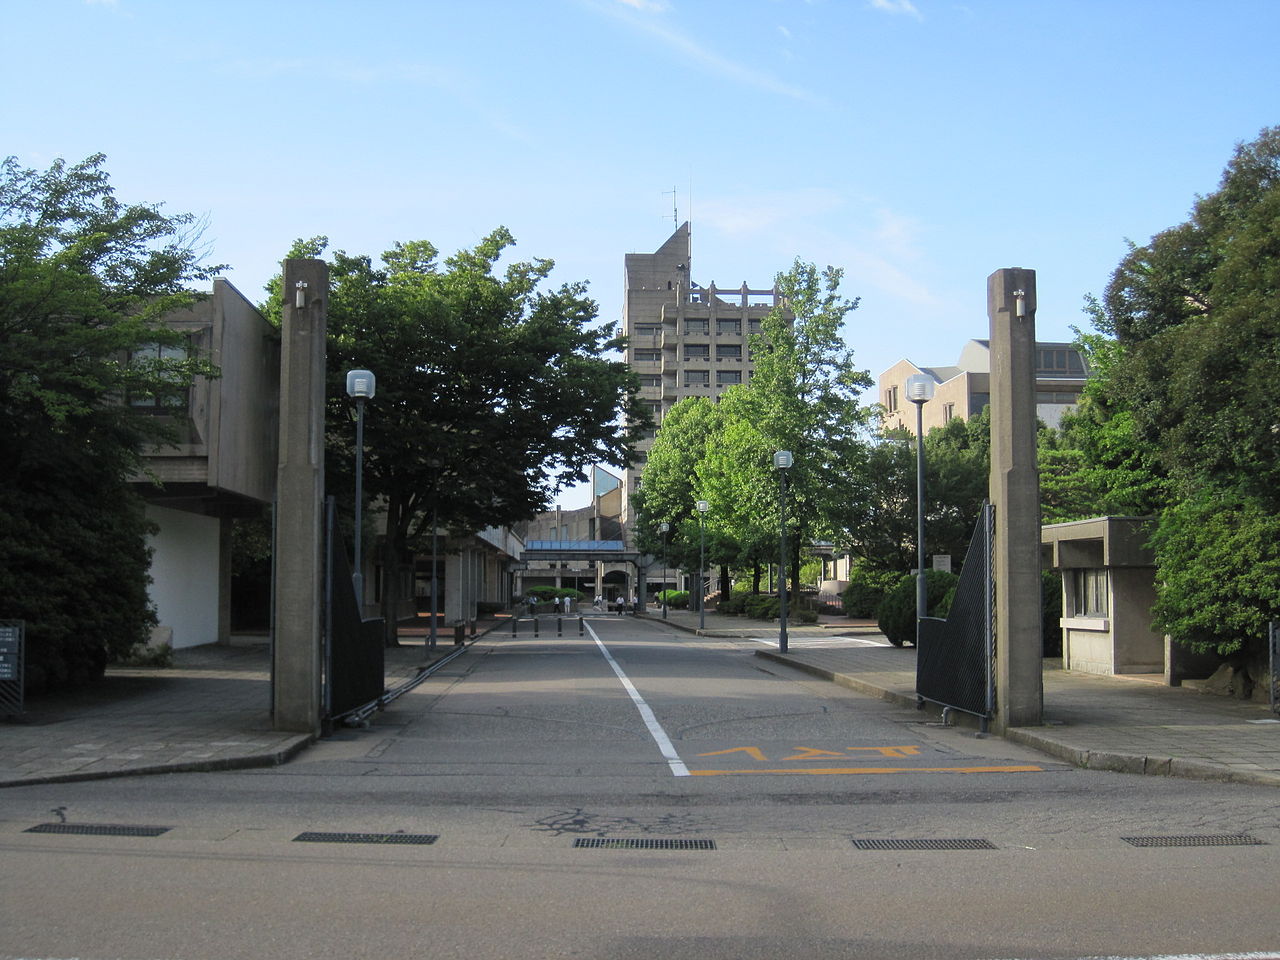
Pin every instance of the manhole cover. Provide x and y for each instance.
(923, 844)
(643, 843)
(420, 839)
(97, 829)
(1207, 840)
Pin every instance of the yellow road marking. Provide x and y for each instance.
(754, 752)
(908, 751)
(1015, 768)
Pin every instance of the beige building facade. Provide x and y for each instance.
(963, 389)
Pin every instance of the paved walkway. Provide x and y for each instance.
(210, 711)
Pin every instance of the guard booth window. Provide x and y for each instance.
(1089, 589)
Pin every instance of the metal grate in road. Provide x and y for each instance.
(97, 829)
(313, 836)
(1204, 840)
(922, 844)
(642, 843)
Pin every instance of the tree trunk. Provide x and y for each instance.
(725, 586)
(757, 573)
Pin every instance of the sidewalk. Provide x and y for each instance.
(210, 711)
(1103, 723)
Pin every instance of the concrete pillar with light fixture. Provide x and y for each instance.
(361, 385)
(919, 390)
(1015, 493)
(295, 666)
(664, 528)
(782, 461)
(703, 507)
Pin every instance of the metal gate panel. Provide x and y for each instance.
(953, 662)
(354, 657)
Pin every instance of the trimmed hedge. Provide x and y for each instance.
(897, 612)
(867, 588)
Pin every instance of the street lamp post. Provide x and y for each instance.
(919, 390)
(665, 528)
(782, 461)
(360, 387)
(703, 507)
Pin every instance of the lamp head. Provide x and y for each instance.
(703, 506)
(782, 460)
(360, 384)
(919, 388)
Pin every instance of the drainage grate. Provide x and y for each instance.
(422, 839)
(863, 844)
(624, 843)
(97, 829)
(1206, 840)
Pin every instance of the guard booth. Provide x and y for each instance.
(1108, 590)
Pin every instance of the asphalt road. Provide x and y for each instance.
(729, 807)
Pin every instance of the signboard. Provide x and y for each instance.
(942, 561)
(11, 642)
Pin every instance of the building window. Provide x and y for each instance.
(697, 327)
(648, 329)
(948, 412)
(732, 352)
(650, 379)
(169, 400)
(697, 378)
(1058, 361)
(725, 378)
(891, 399)
(728, 328)
(697, 351)
(1089, 589)
(648, 355)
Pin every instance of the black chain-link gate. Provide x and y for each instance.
(354, 658)
(954, 660)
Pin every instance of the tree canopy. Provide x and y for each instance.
(493, 391)
(84, 282)
(1182, 416)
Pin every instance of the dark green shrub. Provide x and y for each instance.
(897, 612)
(762, 606)
(867, 587)
(807, 616)
(675, 599)
(1051, 606)
(734, 606)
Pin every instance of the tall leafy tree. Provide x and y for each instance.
(493, 391)
(85, 281)
(803, 397)
(1195, 314)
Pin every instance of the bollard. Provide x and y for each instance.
(559, 626)
(580, 626)
(535, 628)
(515, 625)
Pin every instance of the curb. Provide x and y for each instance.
(272, 758)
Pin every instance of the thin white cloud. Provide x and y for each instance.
(645, 19)
(905, 7)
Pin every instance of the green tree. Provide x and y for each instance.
(1190, 405)
(804, 396)
(493, 392)
(85, 281)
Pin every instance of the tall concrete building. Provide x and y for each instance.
(684, 339)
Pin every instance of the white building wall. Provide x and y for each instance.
(184, 570)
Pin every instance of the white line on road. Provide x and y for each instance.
(655, 728)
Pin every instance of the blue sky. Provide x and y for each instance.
(918, 144)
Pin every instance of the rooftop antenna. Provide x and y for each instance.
(675, 210)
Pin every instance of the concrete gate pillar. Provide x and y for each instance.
(299, 499)
(1015, 492)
